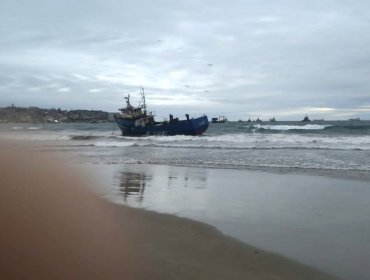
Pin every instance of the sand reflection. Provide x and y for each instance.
(133, 185)
(159, 185)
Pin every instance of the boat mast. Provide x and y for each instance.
(143, 98)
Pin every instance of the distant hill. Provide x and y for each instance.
(39, 115)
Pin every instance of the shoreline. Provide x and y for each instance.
(49, 146)
(118, 240)
(301, 217)
(189, 246)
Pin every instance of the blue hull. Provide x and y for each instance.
(195, 126)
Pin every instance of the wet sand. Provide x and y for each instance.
(54, 227)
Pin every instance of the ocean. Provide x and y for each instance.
(341, 148)
(301, 190)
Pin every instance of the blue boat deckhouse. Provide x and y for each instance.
(136, 121)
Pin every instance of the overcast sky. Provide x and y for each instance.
(242, 58)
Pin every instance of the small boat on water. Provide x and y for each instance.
(136, 121)
(220, 119)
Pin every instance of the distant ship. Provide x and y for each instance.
(306, 119)
(220, 119)
(136, 121)
(354, 120)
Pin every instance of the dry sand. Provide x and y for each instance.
(54, 227)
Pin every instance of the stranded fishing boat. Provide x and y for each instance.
(136, 121)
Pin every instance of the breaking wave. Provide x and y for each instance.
(291, 127)
(231, 141)
(309, 128)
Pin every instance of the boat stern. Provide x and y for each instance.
(200, 125)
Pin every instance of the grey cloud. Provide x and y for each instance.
(265, 56)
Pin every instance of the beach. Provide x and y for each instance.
(54, 226)
(269, 196)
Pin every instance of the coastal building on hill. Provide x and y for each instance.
(38, 115)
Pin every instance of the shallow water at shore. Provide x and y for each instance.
(319, 221)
